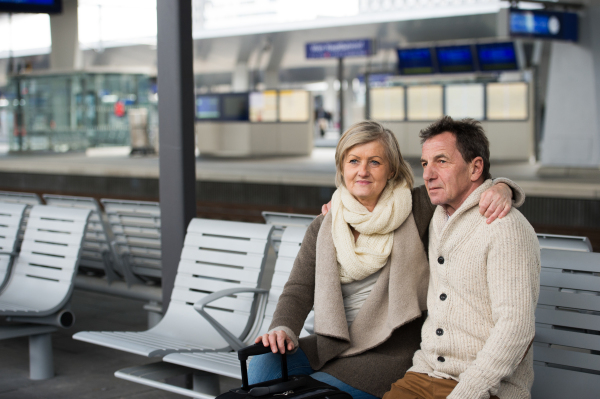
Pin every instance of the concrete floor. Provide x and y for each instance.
(82, 370)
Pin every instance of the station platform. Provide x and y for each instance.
(318, 169)
(560, 200)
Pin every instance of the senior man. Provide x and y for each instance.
(484, 280)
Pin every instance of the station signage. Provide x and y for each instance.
(543, 24)
(340, 49)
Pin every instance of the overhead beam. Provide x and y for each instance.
(177, 181)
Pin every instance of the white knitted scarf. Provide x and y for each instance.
(358, 260)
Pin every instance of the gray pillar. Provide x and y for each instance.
(41, 360)
(341, 93)
(177, 183)
(572, 117)
(64, 29)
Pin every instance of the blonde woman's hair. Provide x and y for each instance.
(366, 132)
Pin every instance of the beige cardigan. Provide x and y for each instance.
(483, 291)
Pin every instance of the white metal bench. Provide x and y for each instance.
(41, 282)
(136, 246)
(212, 366)
(11, 216)
(95, 253)
(567, 340)
(280, 221)
(570, 243)
(28, 199)
(217, 255)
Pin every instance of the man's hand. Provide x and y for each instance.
(277, 341)
(326, 208)
(495, 202)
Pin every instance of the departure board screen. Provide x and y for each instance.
(415, 61)
(31, 6)
(455, 59)
(544, 24)
(207, 107)
(235, 107)
(497, 57)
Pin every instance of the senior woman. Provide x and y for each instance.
(364, 268)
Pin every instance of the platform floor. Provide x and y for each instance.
(83, 371)
(318, 169)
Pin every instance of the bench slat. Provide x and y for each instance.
(566, 280)
(544, 334)
(567, 358)
(255, 246)
(566, 318)
(569, 300)
(570, 260)
(222, 258)
(244, 275)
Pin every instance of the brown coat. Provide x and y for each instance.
(387, 330)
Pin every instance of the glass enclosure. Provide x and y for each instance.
(71, 112)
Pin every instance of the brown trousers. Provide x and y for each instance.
(421, 386)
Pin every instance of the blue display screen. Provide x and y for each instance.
(497, 57)
(415, 61)
(544, 24)
(207, 107)
(31, 6)
(455, 59)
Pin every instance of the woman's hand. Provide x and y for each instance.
(327, 207)
(495, 202)
(277, 341)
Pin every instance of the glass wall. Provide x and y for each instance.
(75, 111)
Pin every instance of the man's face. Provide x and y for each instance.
(448, 178)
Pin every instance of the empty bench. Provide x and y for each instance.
(39, 290)
(566, 348)
(211, 370)
(217, 255)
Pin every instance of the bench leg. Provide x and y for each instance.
(41, 360)
(155, 315)
(207, 383)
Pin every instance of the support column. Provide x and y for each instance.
(341, 93)
(41, 360)
(572, 121)
(64, 29)
(279, 46)
(177, 182)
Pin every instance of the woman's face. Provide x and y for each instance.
(366, 172)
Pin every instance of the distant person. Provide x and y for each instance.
(484, 284)
(364, 268)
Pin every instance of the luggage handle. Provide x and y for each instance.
(258, 349)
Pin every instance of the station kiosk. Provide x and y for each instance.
(268, 123)
(482, 81)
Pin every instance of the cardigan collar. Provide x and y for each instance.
(443, 227)
(398, 297)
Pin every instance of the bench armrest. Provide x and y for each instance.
(199, 306)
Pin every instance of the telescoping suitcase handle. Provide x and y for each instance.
(258, 349)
